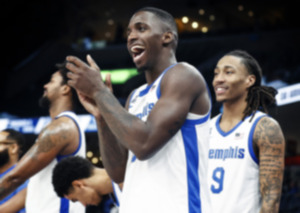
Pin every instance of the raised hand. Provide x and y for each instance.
(85, 78)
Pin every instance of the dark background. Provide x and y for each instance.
(36, 35)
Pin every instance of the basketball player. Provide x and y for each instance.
(11, 148)
(77, 179)
(246, 153)
(62, 137)
(157, 144)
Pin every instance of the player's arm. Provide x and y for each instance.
(271, 146)
(16, 203)
(178, 91)
(59, 137)
(113, 154)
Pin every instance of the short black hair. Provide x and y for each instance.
(16, 136)
(63, 70)
(165, 17)
(70, 169)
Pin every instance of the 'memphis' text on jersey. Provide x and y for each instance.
(229, 153)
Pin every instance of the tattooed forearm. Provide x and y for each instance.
(270, 141)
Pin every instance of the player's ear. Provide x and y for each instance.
(77, 184)
(251, 80)
(14, 148)
(168, 37)
(66, 89)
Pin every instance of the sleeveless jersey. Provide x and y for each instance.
(233, 169)
(41, 196)
(116, 194)
(170, 180)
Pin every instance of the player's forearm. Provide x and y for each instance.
(15, 204)
(113, 154)
(271, 178)
(271, 204)
(128, 129)
(9, 183)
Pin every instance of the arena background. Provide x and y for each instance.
(37, 34)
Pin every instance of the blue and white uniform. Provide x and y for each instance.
(41, 196)
(233, 168)
(117, 194)
(170, 180)
(16, 191)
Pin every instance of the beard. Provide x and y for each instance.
(44, 102)
(4, 157)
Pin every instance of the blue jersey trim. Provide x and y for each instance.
(16, 191)
(192, 160)
(64, 205)
(133, 158)
(60, 157)
(250, 140)
(8, 170)
(224, 134)
(197, 121)
(146, 90)
(158, 93)
(116, 195)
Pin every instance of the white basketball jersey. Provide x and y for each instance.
(41, 197)
(117, 192)
(233, 170)
(170, 180)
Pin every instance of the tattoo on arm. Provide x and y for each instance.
(270, 140)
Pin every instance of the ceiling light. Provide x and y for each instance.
(185, 19)
(201, 12)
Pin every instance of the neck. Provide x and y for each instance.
(232, 114)
(58, 107)
(152, 73)
(101, 176)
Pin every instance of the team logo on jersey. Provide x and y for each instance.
(145, 111)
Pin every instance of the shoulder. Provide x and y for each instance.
(268, 130)
(186, 68)
(63, 123)
(184, 74)
(60, 127)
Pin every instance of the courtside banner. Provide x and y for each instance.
(288, 95)
(35, 125)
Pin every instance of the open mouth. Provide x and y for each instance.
(137, 52)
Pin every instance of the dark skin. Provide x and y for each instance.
(231, 83)
(183, 90)
(60, 136)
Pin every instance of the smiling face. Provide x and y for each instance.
(144, 39)
(231, 80)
